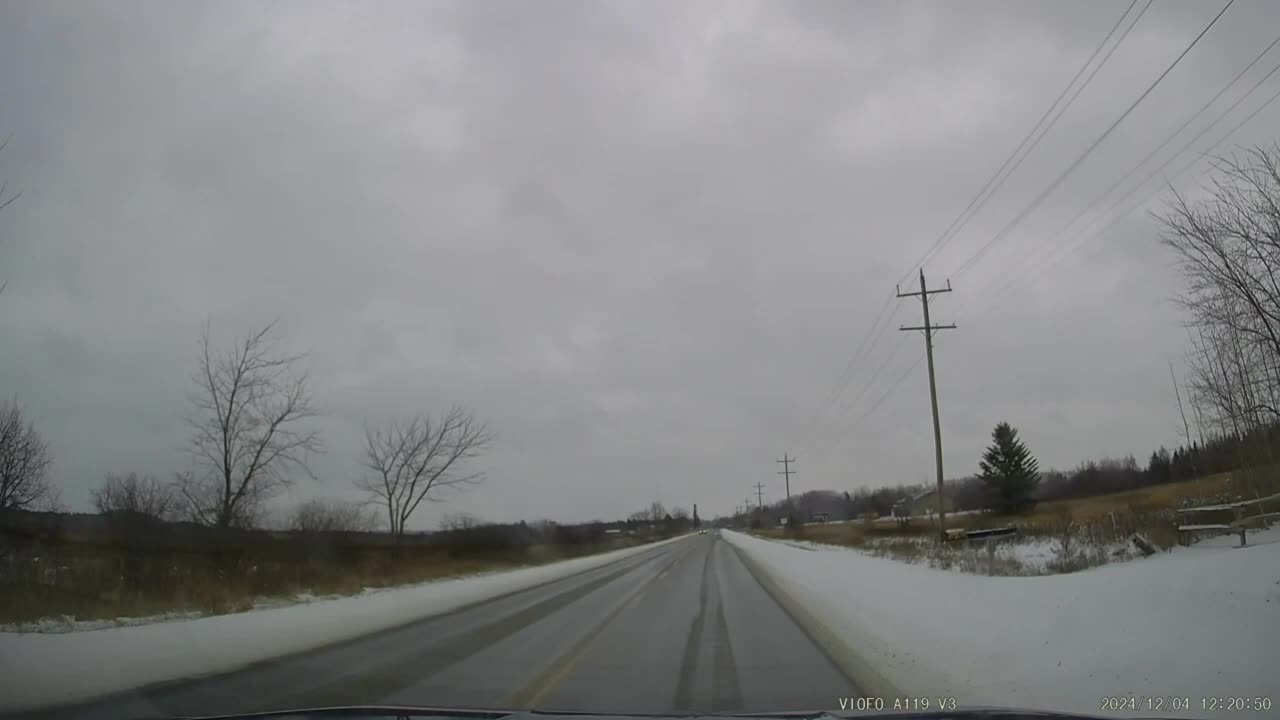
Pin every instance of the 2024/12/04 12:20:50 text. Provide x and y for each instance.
(1185, 703)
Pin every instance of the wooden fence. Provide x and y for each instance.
(1234, 516)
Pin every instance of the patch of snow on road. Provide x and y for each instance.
(39, 669)
(1195, 622)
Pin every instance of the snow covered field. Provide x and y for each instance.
(1017, 556)
(44, 668)
(1196, 622)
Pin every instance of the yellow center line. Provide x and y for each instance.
(572, 663)
(541, 687)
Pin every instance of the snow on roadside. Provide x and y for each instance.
(46, 668)
(66, 624)
(1021, 556)
(1196, 622)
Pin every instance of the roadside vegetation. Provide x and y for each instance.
(59, 568)
(212, 538)
(1056, 537)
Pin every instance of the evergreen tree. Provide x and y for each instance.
(697, 522)
(1160, 467)
(1009, 472)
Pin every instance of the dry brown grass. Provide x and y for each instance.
(86, 583)
(1090, 523)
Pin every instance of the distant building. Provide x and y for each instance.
(925, 504)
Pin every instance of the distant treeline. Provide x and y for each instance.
(138, 531)
(1090, 478)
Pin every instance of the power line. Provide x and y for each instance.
(873, 335)
(1170, 138)
(866, 385)
(894, 386)
(979, 200)
(889, 391)
(847, 375)
(1089, 150)
(1034, 257)
(888, 360)
(885, 396)
(1063, 250)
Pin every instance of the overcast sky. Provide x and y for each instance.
(641, 240)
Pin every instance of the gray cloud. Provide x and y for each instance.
(641, 239)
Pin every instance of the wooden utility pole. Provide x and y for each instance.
(788, 472)
(760, 495)
(1186, 427)
(929, 329)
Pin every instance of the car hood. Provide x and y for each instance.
(391, 712)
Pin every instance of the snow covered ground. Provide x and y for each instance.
(45, 668)
(1020, 556)
(70, 624)
(1193, 623)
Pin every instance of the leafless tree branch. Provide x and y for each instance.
(131, 493)
(24, 463)
(1228, 247)
(246, 439)
(331, 516)
(411, 462)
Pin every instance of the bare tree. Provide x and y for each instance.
(331, 516)
(655, 512)
(460, 521)
(246, 442)
(24, 464)
(1228, 247)
(407, 462)
(144, 495)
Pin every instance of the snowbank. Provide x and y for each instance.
(1195, 623)
(43, 669)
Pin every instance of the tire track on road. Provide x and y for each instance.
(726, 692)
(555, 673)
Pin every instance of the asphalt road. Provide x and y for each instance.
(681, 627)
